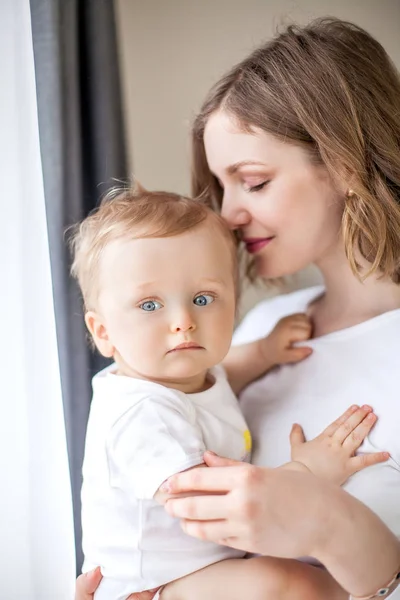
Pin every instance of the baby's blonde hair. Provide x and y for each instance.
(130, 214)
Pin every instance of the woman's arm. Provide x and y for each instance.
(284, 513)
(362, 554)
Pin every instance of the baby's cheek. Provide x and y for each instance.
(145, 350)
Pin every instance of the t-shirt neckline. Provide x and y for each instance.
(352, 330)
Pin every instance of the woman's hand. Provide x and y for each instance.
(273, 512)
(285, 513)
(87, 584)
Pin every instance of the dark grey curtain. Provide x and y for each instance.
(82, 146)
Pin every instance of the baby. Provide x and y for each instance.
(159, 277)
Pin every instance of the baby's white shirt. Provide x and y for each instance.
(139, 434)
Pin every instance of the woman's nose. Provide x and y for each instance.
(233, 212)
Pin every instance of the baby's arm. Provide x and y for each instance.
(247, 362)
(260, 578)
(332, 454)
(156, 438)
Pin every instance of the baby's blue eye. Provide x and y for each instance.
(203, 300)
(150, 305)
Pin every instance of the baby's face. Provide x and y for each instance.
(168, 304)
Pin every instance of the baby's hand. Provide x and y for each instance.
(331, 455)
(247, 362)
(277, 348)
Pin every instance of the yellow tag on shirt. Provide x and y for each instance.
(247, 440)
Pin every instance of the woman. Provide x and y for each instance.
(299, 146)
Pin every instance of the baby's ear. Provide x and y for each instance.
(98, 331)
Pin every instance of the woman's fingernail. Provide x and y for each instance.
(366, 407)
(184, 525)
(165, 487)
(168, 508)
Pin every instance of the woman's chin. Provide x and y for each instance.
(269, 269)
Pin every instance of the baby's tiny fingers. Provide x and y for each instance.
(362, 461)
(296, 437)
(300, 317)
(333, 427)
(350, 424)
(297, 354)
(359, 433)
(299, 333)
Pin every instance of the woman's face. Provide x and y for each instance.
(287, 209)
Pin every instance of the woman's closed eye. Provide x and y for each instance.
(256, 188)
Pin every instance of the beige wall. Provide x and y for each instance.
(173, 50)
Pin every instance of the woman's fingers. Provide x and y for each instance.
(204, 480)
(213, 460)
(212, 531)
(203, 508)
(148, 595)
(333, 427)
(87, 584)
(360, 432)
(198, 508)
(350, 424)
(232, 542)
(362, 461)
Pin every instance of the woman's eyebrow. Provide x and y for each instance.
(244, 163)
(231, 169)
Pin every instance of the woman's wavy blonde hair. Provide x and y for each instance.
(331, 88)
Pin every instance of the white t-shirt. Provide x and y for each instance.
(358, 365)
(139, 434)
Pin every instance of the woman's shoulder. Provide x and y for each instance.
(260, 320)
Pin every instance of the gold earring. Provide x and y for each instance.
(350, 193)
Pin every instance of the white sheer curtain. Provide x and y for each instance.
(37, 559)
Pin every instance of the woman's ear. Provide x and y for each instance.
(98, 331)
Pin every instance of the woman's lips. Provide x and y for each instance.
(254, 245)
